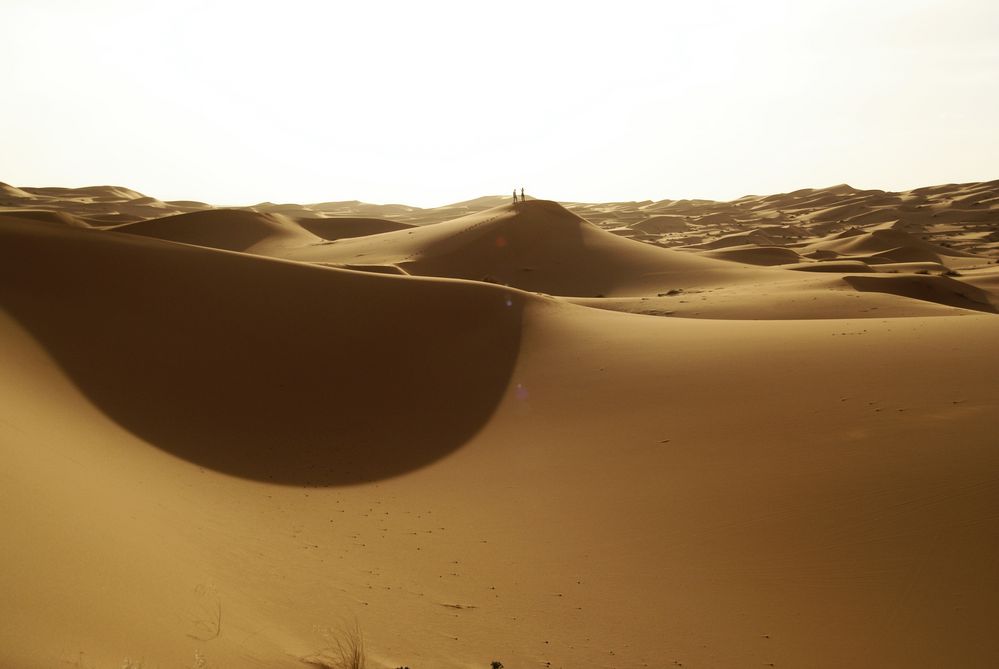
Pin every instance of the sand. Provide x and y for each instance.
(548, 434)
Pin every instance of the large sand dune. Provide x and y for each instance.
(229, 229)
(260, 357)
(538, 246)
(221, 448)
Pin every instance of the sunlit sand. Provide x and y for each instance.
(759, 432)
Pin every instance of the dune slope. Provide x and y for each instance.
(260, 368)
(537, 246)
(228, 229)
(343, 227)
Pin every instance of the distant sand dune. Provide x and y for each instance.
(756, 255)
(737, 239)
(96, 192)
(537, 246)
(229, 229)
(940, 289)
(344, 227)
(662, 224)
(45, 215)
(880, 240)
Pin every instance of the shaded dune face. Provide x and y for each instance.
(939, 289)
(228, 229)
(346, 227)
(757, 255)
(46, 215)
(259, 368)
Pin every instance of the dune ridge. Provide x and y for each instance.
(227, 229)
(537, 245)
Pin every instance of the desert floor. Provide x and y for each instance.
(641, 434)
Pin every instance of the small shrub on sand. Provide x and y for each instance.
(346, 651)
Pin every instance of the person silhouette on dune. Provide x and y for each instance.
(515, 196)
(522, 194)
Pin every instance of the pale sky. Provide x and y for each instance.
(436, 101)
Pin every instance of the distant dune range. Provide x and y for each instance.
(573, 250)
(676, 433)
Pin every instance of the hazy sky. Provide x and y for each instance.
(432, 102)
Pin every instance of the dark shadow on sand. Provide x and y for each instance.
(263, 369)
(939, 289)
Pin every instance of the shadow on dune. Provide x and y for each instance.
(258, 368)
(939, 289)
(228, 229)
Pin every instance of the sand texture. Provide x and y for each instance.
(638, 434)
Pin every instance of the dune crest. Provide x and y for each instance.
(537, 245)
(228, 229)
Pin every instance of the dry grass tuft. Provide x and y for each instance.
(345, 650)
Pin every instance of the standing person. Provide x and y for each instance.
(522, 194)
(515, 196)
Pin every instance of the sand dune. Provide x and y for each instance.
(736, 239)
(839, 265)
(102, 204)
(880, 240)
(44, 215)
(940, 289)
(756, 255)
(344, 227)
(229, 229)
(95, 193)
(538, 246)
(219, 321)
(13, 192)
(221, 447)
(662, 224)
